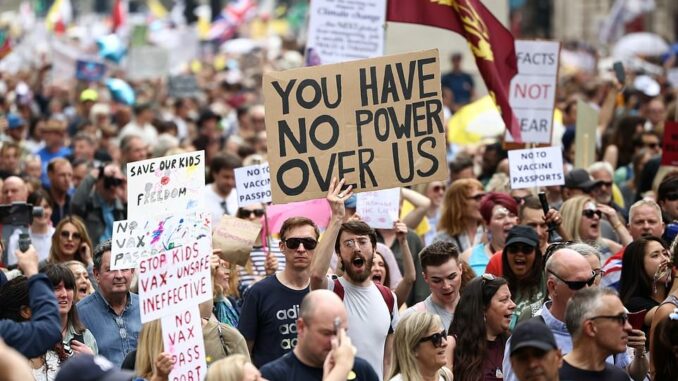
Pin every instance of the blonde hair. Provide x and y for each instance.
(234, 278)
(55, 255)
(149, 347)
(411, 329)
(230, 368)
(454, 206)
(570, 212)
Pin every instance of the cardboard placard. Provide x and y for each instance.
(134, 240)
(670, 143)
(536, 167)
(585, 136)
(89, 70)
(147, 62)
(253, 184)
(377, 123)
(345, 30)
(182, 338)
(533, 89)
(235, 238)
(166, 185)
(177, 277)
(183, 86)
(379, 209)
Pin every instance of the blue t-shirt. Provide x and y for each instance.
(269, 318)
(289, 368)
(461, 85)
(46, 157)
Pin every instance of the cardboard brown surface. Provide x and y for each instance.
(585, 135)
(320, 123)
(235, 237)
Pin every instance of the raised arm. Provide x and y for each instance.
(323, 253)
(421, 204)
(404, 287)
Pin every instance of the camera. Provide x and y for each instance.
(19, 213)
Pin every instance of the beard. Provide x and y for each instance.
(358, 276)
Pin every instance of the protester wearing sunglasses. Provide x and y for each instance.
(460, 220)
(419, 350)
(70, 241)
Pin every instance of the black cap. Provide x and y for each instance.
(532, 333)
(91, 368)
(578, 178)
(522, 234)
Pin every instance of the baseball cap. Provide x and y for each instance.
(578, 178)
(14, 121)
(91, 368)
(522, 234)
(647, 85)
(89, 95)
(532, 333)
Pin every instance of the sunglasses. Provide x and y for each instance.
(438, 188)
(477, 197)
(113, 182)
(672, 196)
(245, 213)
(293, 243)
(589, 213)
(604, 183)
(622, 318)
(519, 248)
(68, 235)
(436, 339)
(575, 285)
(521, 200)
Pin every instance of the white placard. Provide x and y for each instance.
(253, 184)
(345, 30)
(182, 338)
(379, 209)
(147, 62)
(536, 167)
(177, 277)
(166, 185)
(136, 239)
(533, 90)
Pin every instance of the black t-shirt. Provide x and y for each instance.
(610, 373)
(289, 368)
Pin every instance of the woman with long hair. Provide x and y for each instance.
(151, 362)
(40, 231)
(224, 307)
(83, 286)
(70, 241)
(480, 328)
(233, 368)
(645, 277)
(664, 349)
(460, 220)
(76, 337)
(500, 214)
(419, 349)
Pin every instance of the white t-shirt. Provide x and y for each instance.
(213, 203)
(41, 242)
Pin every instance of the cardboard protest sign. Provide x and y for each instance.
(89, 70)
(183, 86)
(378, 123)
(585, 135)
(147, 62)
(536, 167)
(345, 30)
(379, 209)
(176, 277)
(182, 338)
(235, 238)
(533, 90)
(166, 185)
(670, 143)
(134, 240)
(253, 184)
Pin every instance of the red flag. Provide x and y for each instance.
(119, 16)
(491, 43)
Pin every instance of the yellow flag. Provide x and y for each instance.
(157, 9)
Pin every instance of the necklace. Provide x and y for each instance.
(495, 361)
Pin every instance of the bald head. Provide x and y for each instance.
(14, 189)
(320, 304)
(565, 265)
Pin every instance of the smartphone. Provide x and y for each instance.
(637, 319)
(544, 202)
(619, 72)
(337, 325)
(77, 337)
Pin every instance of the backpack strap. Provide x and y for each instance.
(388, 297)
(338, 289)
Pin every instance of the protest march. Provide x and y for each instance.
(379, 190)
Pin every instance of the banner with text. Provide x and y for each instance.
(670, 143)
(166, 185)
(253, 184)
(533, 90)
(379, 209)
(345, 30)
(536, 167)
(235, 238)
(182, 338)
(377, 123)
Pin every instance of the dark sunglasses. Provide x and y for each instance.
(672, 196)
(74, 236)
(438, 188)
(520, 248)
(245, 213)
(622, 318)
(436, 338)
(293, 243)
(651, 145)
(477, 197)
(575, 285)
(589, 213)
(521, 200)
(604, 183)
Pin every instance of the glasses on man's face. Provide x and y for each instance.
(75, 236)
(622, 318)
(589, 213)
(246, 213)
(520, 248)
(604, 184)
(357, 242)
(293, 243)
(436, 339)
(650, 145)
(575, 285)
(672, 196)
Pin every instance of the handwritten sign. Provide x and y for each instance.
(670, 143)
(379, 209)
(378, 123)
(585, 137)
(183, 86)
(345, 30)
(536, 167)
(533, 90)
(182, 338)
(89, 70)
(180, 276)
(166, 185)
(253, 184)
(235, 237)
(136, 239)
